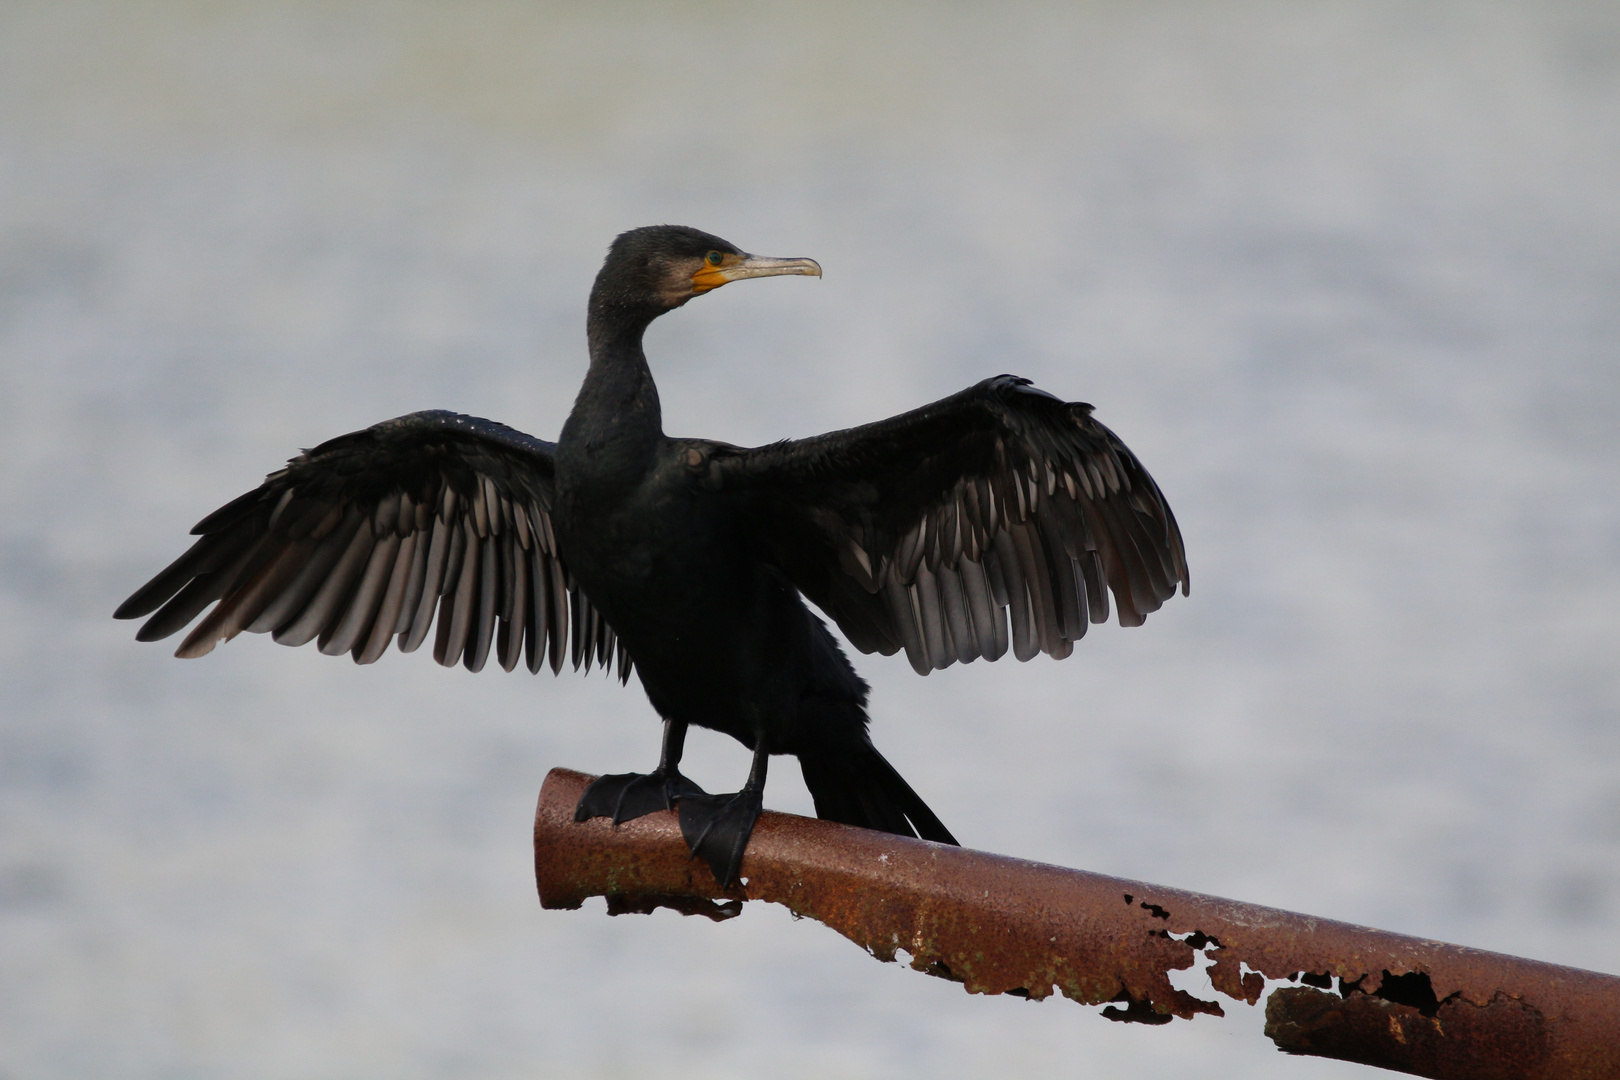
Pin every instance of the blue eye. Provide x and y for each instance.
(715, 258)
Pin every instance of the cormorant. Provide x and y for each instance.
(997, 517)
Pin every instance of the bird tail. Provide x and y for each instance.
(859, 787)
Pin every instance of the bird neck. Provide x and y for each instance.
(616, 425)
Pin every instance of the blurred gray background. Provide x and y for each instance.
(1345, 275)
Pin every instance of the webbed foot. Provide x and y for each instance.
(627, 796)
(717, 827)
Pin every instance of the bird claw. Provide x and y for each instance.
(717, 828)
(627, 796)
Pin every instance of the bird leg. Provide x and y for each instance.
(627, 796)
(717, 827)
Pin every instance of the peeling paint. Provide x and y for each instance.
(1007, 926)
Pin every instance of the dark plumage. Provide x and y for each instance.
(998, 517)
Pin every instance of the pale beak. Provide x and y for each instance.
(712, 277)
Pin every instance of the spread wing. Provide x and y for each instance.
(366, 537)
(1000, 514)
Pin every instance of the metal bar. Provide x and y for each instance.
(1006, 926)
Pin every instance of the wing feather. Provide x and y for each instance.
(958, 618)
(386, 623)
(416, 580)
(462, 597)
(925, 595)
(330, 599)
(225, 622)
(560, 602)
(432, 585)
(515, 620)
(534, 640)
(291, 600)
(355, 625)
(989, 618)
(487, 608)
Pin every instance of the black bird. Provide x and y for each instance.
(1000, 516)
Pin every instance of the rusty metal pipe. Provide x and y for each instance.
(1006, 926)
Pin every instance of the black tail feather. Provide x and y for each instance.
(861, 788)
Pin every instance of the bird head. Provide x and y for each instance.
(660, 267)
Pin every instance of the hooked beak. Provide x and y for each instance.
(750, 266)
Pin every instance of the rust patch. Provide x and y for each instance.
(1505, 1039)
(1006, 926)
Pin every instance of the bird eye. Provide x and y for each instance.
(714, 258)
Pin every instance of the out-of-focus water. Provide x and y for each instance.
(1343, 274)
